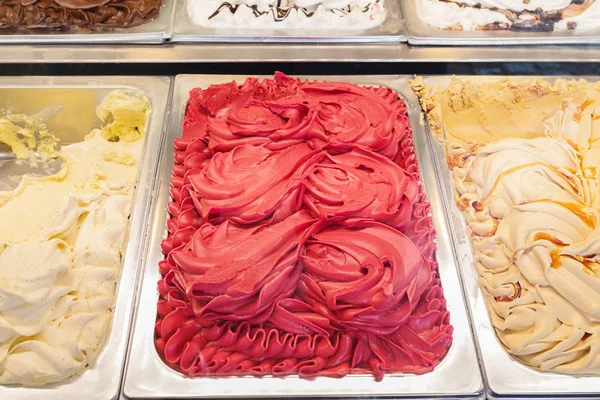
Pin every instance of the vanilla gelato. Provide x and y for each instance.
(61, 243)
(525, 159)
(27, 135)
(542, 15)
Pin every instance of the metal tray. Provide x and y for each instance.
(156, 31)
(505, 377)
(421, 33)
(390, 30)
(147, 377)
(102, 380)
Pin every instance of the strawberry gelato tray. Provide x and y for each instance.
(77, 169)
(517, 160)
(299, 248)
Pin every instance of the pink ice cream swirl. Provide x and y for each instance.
(300, 240)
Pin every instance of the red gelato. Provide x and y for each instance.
(300, 240)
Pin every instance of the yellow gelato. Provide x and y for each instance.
(26, 135)
(62, 239)
(125, 115)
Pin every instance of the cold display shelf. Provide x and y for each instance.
(259, 52)
(168, 49)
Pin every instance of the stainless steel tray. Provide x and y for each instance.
(156, 31)
(391, 30)
(102, 380)
(505, 377)
(147, 377)
(421, 33)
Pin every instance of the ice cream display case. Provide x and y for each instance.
(425, 22)
(80, 164)
(408, 210)
(489, 182)
(161, 364)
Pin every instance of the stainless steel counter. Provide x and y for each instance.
(220, 52)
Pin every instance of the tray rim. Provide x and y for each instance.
(492, 365)
(108, 367)
(471, 386)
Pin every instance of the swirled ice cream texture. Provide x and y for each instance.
(543, 15)
(533, 210)
(61, 244)
(300, 240)
(15, 14)
(287, 14)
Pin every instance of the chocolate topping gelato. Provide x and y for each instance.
(76, 13)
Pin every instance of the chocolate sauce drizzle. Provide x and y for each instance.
(279, 12)
(517, 293)
(528, 20)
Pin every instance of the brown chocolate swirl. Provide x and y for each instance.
(87, 14)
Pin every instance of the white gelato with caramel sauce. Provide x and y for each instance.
(531, 199)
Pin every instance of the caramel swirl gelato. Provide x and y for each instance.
(524, 157)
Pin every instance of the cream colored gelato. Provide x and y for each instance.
(61, 243)
(525, 165)
(544, 15)
(27, 135)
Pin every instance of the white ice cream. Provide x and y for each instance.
(587, 21)
(298, 14)
(477, 14)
